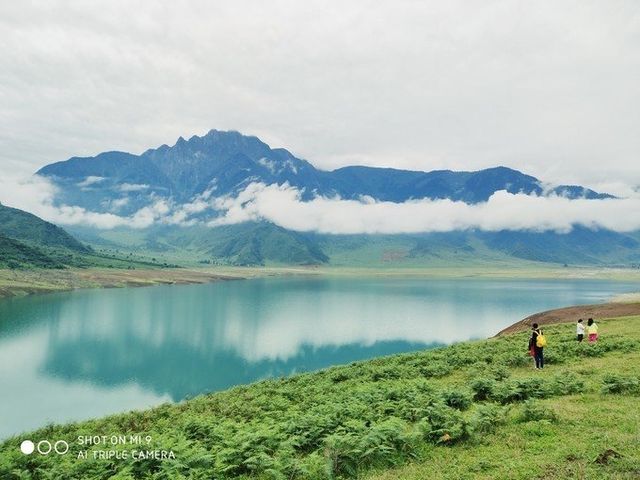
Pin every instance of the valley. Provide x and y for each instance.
(173, 202)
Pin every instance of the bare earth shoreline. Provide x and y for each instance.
(27, 282)
(19, 283)
(614, 309)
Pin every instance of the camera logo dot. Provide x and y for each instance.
(27, 447)
(44, 447)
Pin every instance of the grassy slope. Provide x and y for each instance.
(28, 242)
(19, 255)
(28, 228)
(587, 425)
(392, 418)
(15, 254)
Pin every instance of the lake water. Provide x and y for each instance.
(78, 355)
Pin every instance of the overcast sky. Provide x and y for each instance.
(551, 88)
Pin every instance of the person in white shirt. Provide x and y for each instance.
(580, 330)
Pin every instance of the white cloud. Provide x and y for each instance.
(550, 88)
(36, 194)
(119, 203)
(90, 180)
(283, 206)
(269, 164)
(132, 187)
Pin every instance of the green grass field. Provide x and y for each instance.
(470, 410)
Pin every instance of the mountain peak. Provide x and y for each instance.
(232, 160)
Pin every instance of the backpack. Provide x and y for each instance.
(541, 341)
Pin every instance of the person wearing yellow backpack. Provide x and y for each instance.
(537, 342)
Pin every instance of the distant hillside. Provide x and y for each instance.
(246, 244)
(224, 163)
(27, 241)
(24, 226)
(257, 244)
(267, 244)
(15, 254)
(580, 246)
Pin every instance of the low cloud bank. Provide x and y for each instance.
(283, 206)
(36, 195)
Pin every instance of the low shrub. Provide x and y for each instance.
(553, 356)
(626, 345)
(533, 410)
(507, 392)
(436, 369)
(499, 372)
(620, 384)
(312, 466)
(520, 390)
(340, 376)
(477, 369)
(458, 399)
(342, 453)
(463, 354)
(385, 373)
(442, 424)
(424, 387)
(385, 440)
(487, 417)
(483, 388)
(519, 358)
(565, 384)
(382, 444)
(593, 350)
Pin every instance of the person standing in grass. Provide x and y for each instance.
(592, 331)
(580, 330)
(536, 344)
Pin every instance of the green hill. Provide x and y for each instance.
(27, 242)
(15, 254)
(259, 243)
(28, 228)
(263, 243)
(245, 244)
(470, 410)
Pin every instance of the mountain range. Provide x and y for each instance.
(224, 163)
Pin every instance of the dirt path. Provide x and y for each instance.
(572, 314)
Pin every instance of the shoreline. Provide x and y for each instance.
(36, 282)
(613, 309)
(19, 283)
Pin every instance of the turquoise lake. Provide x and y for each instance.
(77, 355)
